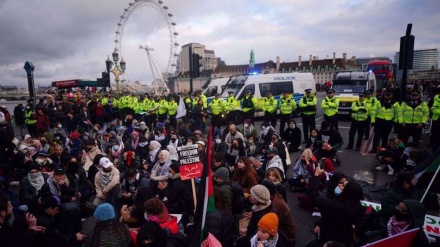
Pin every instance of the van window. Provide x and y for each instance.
(211, 91)
(276, 88)
(248, 87)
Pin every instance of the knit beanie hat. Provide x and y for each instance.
(104, 212)
(261, 194)
(222, 173)
(269, 223)
(175, 166)
(271, 187)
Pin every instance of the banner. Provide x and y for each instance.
(181, 110)
(403, 239)
(431, 226)
(190, 163)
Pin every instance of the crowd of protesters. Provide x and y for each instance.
(117, 159)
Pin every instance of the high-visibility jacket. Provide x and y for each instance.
(435, 109)
(217, 106)
(27, 117)
(371, 103)
(163, 106)
(359, 110)
(172, 107)
(205, 100)
(249, 103)
(385, 110)
(287, 106)
(269, 104)
(308, 105)
(231, 104)
(330, 106)
(414, 112)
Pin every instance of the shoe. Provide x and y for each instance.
(358, 149)
(348, 148)
(390, 170)
(372, 151)
(380, 167)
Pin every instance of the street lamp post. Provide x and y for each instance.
(118, 68)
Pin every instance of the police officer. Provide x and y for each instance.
(307, 104)
(413, 116)
(383, 115)
(269, 108)
(248, 104)
(287, 107)
(330, 106)
(359, 115)
(371, 102)
(231, 105)
(163, 109)
(172, 111)
(216, 106)
(435, 128)
(30, 118)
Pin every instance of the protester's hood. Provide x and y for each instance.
(417, 211)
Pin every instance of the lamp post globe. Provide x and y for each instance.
(123, 65)
(115, 55)
(108, 64)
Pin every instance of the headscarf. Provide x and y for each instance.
(36, 180)
(173, 152)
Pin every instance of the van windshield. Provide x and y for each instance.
(346, 86)
(235, 84)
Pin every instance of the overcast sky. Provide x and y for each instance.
(68, 39)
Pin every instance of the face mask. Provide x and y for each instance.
(246, 125)
(57, 137)
(59, 126)
(39, 161)
(189, 143)
(115, 148)
(34, 176)
(173, 139)
(218, 141)
(85, 137)
(262, 127)
(43, 143)
(292, 126)
(401, 217)
(338, 191)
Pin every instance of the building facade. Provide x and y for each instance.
(423, 60)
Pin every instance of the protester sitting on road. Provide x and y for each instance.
(274, 160)
(273, 175)
(133, 215)
(151, 235)
(268, 234)
(107, 182)
(260, 198)
(312, 138)
(286, 224)
(30, 189)
(108, 231)
(409, 214)
(302, 171)
(327, 142)
(245, 175)
(292, 136)
(236, 150)
(249, 129)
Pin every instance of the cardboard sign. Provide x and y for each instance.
(432, 223)
(190, 164)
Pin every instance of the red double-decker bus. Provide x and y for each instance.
(383, 70)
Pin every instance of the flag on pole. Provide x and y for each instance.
(181, 110)
(205, 196)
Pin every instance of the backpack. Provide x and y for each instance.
(237, 200)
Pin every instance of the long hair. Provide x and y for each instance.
(248, 168)
(220, 203)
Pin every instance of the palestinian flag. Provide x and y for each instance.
(427, 173)
(205, 196)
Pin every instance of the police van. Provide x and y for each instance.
(214, 86)
(292, 83)
(349, 84)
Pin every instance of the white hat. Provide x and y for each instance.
(201, 143)
(2, 117)
(105, 162)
